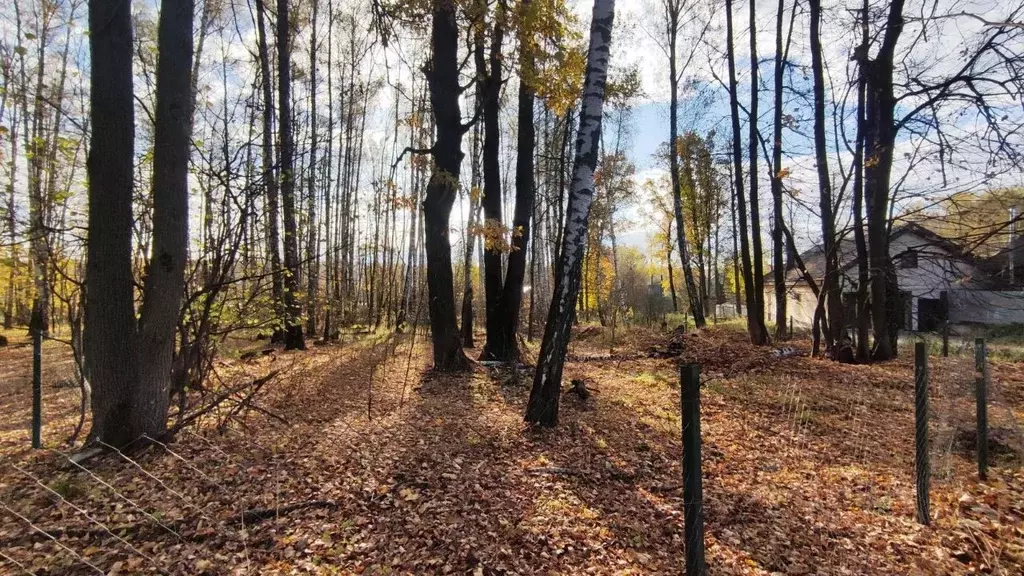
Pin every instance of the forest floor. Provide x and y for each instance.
(355, 459)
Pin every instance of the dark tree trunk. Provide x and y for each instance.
(129, 364)
(673, 9)
(757, 313)
(312, 235)
(832, 300)
(547, 381)
(736, 272)
(505, 346)
(329, 166)
(467, 276)
(294, 338)
(879, 139)
(778, 252)
(269, 172)
(490, 92)
(537, 224)
(165, 280)
(755, 321)
(110, 327)
(863, 275)
(443, 79)
(671, 273)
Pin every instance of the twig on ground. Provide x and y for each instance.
(253, 516)
(555, 470)
(257, 384)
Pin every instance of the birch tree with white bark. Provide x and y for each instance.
(547, 381)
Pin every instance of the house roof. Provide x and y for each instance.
(814, 258)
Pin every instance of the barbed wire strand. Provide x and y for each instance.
(55, 540)
(88, 517)
(119, 495)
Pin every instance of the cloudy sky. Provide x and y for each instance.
(926, 58)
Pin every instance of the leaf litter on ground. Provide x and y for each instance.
(371, 464)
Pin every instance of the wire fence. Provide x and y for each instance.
(194, 506)
(123, 513)
(855, 415)
(973, 415)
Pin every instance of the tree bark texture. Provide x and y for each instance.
(692, 293)
(443, 80)
(110, 328)
(294, 337)
(755, 321)
(505, 346)
(543, 404)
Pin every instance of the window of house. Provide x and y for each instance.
(909, 259)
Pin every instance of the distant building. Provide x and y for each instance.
(939, 282)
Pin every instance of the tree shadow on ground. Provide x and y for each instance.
(430, 473)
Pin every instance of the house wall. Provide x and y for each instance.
(986, 307)
(936, 272)
(966, 306)
(800, 305)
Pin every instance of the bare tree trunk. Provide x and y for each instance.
(294, 338)
(505, 346)
(693, 293)
(342, 267)
(410, 252)
(757, 312)
(467, 265)
(165, 280)
(755, 321)
(12, 220)
(312, 236)
(329, 165)
(833, 305)
(778, 250)
(534, 255)
(269, 173)
(490, 91)
(879, 140)
(863, 275)
(130, 378)
(49, 195)
(110, 328)
(547, 382)
(35, 144)
(559, 223)
(671, 273)
(673, 9)
(356, 178)
(443, 78)
(736, 272)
